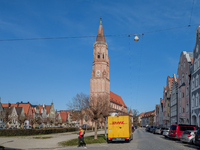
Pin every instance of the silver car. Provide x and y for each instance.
(188, 136)
(166, 132)
(158, 131)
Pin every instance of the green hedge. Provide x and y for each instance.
(24, 132)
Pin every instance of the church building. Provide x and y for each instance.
(100, 76)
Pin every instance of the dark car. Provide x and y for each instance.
(197, 138)
(148, 128)
(154, 129)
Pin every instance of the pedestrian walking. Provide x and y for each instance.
(81, 137)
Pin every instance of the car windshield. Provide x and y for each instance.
(173, 128)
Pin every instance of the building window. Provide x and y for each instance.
(187, 91)
(183, 110)
(193, 83)
(184, 64)
(186, 77)
(183, 94)
(103, 56)
(197, 78)
(180, 109)
(197, 98)
(187, 107)
(98, 56)
(183, 78)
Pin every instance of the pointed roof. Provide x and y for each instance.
(100, 34)
(117, 99)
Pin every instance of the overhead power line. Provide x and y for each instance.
(77, 37)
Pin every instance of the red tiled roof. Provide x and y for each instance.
(40, 108)
(117, 99)
(171, 81)
(141, 115)
(47, 107)
(147, 114)
(25, 106)
(64, 115)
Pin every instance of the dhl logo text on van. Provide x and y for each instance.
(118, 122)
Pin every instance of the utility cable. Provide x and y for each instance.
(78, 37)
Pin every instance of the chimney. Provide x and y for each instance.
(17, 104)
(9, 105)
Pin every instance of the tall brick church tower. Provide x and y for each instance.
(99, 81)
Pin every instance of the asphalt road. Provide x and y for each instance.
(142, 140)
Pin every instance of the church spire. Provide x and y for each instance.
(100, 34)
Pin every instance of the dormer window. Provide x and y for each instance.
(98, 56)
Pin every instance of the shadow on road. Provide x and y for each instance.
(184, 144)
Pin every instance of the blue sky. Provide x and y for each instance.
(42, 71)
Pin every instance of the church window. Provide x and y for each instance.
(98, 56)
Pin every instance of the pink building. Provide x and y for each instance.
(185, 62)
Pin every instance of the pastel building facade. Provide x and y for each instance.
(195, 82)
(185, 63)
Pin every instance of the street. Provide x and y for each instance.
(143, 140)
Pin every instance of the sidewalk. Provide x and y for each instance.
(28, 142)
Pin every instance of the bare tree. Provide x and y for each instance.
(6, 117)
(135, 117)
(21, 119)
(78, 104)
(96, 109)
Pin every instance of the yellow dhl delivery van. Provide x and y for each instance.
(119, 128)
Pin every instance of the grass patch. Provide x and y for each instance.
(88, 140)
(45, 137)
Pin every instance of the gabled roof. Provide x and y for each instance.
(64, 115)
(142, 114)
(25, 106)
(148, 114)
(47, 107)
(18, 110)
(117, 99)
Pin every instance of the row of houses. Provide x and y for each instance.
(180, 103)
(21, 115)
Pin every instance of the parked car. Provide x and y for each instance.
(188, 136)
(133, 128)
(148, 128)
(166, 132)
(197, 138)
(152, 129)
(177, 129)
(162, 130)
(158, 130)
(84, 126)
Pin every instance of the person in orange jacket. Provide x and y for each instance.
(81, 137)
